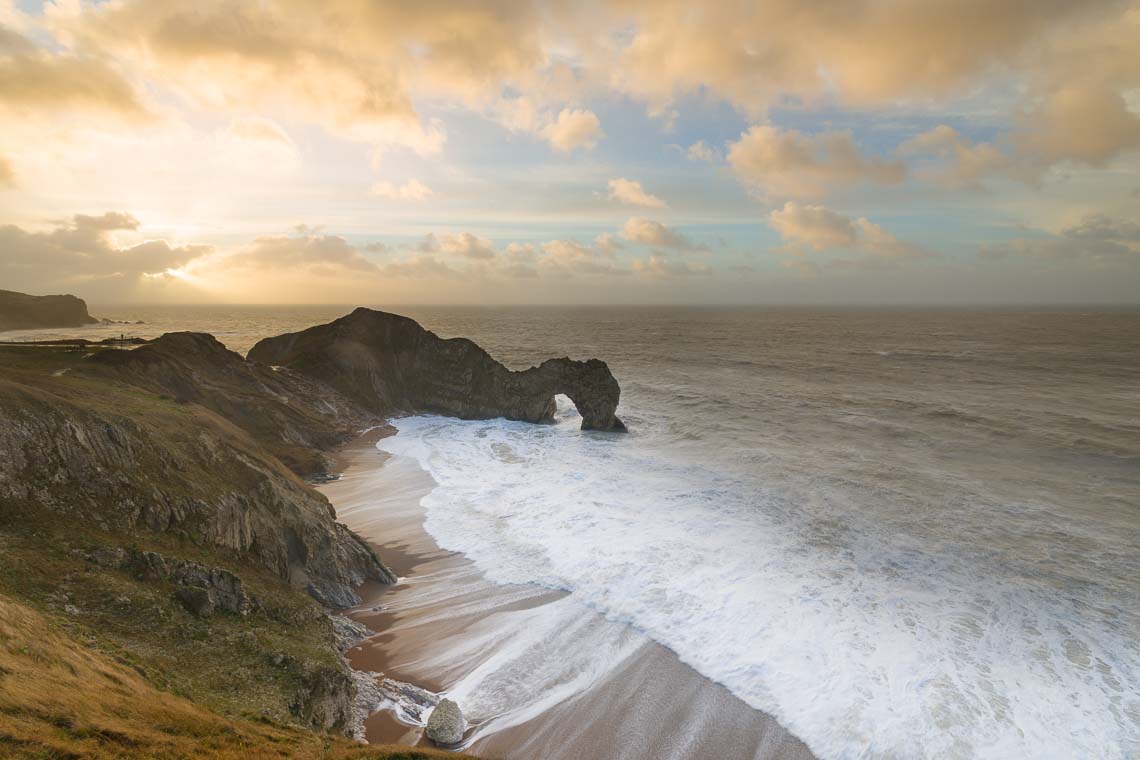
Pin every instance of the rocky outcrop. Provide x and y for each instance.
(122, 460)
(202, 589)
(20, 311)
(390, 364)
(293, 417)
(446, 725)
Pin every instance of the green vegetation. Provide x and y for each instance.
(97, 661)
(63, 697)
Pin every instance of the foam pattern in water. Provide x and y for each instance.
(921, 655)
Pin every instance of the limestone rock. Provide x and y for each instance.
(290, 415)
(445, 726)
(124, 465)
(196, 600)
(20, 311)
(389, 363)
(349, 632)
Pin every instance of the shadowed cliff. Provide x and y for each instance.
(20, 311)
(390, 363)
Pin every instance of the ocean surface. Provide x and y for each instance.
(902, 532)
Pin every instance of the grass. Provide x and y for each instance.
(253, 665)
(97, 663)
(61, 697)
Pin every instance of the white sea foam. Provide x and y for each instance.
(919, 658)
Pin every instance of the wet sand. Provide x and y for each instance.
(536, 674)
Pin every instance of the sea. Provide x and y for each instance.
(905, 533)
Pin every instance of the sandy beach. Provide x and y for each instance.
(536, 673)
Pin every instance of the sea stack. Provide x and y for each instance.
(390, 364)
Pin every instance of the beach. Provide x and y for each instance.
(536, 673)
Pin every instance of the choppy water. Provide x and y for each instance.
(905, 533)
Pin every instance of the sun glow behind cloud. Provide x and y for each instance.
(775, 150)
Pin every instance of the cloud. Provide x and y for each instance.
(35, 80)
(1083, 123)
(959, 162)
(7, 174)
(574, 128)
(347, 65)
(324, 255)
(466, 245)
(420, 266)
(412, 190)
(631, 192)
(754, 55)
(660, 265)
(821, 229)
(82, 249)
(700, 151)
(791, 164)
(608, 243)
(649, 232)
(568, 257)
(813, 226)
(256, 128)
(1097, 239)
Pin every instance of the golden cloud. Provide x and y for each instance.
(791, 164)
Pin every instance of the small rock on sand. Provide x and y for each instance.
(446, 725)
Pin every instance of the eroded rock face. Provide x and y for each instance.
(128, 462)
(289, 414)
(388, 363)
(20, 311)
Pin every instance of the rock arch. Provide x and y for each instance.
(391, 364)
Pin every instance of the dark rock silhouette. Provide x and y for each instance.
(389, 363)
(20, 311)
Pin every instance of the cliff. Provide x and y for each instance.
(293, 417)
(20, 311)
(91, 447)
(390, 364)
(167, 531)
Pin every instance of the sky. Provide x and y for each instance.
(634, 151)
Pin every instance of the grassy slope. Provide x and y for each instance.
(97, 663)
(63, 698)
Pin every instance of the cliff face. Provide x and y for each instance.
(389, 363)
(92, 449)
(19, 311)
(293, 417)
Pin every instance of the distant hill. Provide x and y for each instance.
(20, 311)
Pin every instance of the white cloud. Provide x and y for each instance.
(813, 226)
(791, 164)
(1098, 240)
(959, 163)
(106, 250)
(660, 265)
(571, 257)
(412, 190)
(649, 232)
(821, 229)
(631, 192)
(608, 243)
(574, 128)
(701, 151)
(466, 245)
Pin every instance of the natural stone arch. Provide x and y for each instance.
(391, 364)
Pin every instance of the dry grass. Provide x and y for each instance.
(61, 699)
